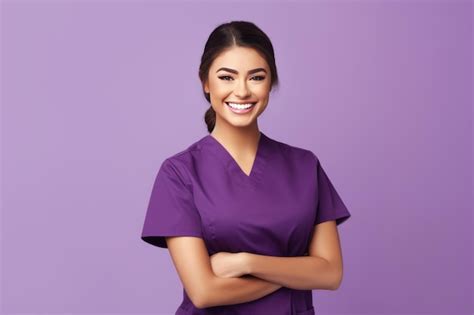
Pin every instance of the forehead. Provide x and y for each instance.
(240, 58)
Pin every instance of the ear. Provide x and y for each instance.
(206, 87)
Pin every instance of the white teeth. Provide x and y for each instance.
(240, 106)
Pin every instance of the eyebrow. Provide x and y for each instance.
(236, 72)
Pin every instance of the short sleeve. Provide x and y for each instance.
(171, 210)
(330, 205)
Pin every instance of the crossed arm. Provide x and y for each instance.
(227, 278)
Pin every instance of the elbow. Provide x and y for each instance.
(335, 286)
(202, 297)
(203, 301)
(199, 303)
(337, 280)
(199, 300)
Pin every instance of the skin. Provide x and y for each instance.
(321, 269)
(238, 133)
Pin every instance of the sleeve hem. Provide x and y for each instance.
(160, 239)
(340, 218)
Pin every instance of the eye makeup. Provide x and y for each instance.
(260, 78)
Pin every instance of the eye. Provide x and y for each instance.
(224, 76)
(259, 76)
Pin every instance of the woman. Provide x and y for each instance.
(250, 222)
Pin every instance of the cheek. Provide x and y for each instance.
(220, 91)
(216, 85)
(262, 90)
(263, 98)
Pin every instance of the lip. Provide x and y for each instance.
(242, 102)
(241, 111)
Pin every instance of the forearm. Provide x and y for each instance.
(226, 291)
(300, 273)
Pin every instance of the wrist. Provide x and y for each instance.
(246, 262)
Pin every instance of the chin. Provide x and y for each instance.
(240, 122)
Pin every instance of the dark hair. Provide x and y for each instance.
(227, 35)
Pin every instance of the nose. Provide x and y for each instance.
(241, 90)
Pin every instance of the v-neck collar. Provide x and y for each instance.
(231, 165)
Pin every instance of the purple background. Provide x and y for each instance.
(95, 94)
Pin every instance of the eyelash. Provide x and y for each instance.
(227, 76)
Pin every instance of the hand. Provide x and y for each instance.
(228, 265)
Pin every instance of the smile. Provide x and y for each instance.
(240, 108)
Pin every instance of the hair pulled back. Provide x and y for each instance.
(227, 35)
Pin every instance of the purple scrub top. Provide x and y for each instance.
(202, 192)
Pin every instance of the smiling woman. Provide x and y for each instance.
(250, 222)
(238, 93)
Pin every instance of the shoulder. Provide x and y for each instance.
(181, 162)
(293, 152)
